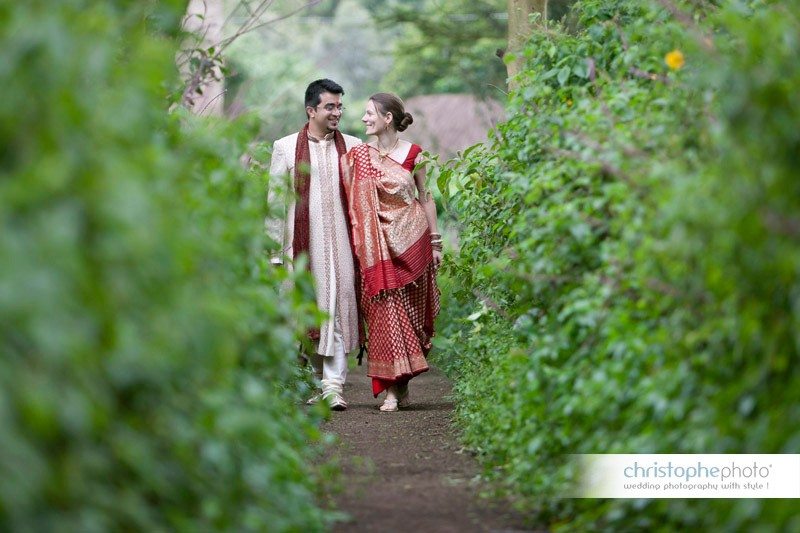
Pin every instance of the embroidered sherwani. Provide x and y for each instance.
(330, 253)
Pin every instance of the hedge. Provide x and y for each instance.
(628, 277)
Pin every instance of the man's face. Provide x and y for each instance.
(325, 116)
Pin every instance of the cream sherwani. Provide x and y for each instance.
(329, 244)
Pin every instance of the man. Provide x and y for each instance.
(316, 222)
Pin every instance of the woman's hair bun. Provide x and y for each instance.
(405, 122)
(386, 103)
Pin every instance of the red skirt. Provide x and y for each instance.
(399, 329)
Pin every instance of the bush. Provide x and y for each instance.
(147, 376)
(632, 237)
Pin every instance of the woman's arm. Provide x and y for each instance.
(426, 199)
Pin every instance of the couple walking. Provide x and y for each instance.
(361, 213)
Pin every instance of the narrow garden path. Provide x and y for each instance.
(406, 470)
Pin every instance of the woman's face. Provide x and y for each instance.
(374, 120)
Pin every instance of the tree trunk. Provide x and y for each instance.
(204, 18)
(519, 29)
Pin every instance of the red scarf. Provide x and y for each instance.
(302, 186)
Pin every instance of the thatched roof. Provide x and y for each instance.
(447, 123)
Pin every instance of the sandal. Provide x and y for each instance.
(389, 405)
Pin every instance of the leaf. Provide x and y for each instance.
(549, 74)
(470, 149)
(563, 75)
(442, 182)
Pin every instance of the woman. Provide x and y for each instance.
(398, 248)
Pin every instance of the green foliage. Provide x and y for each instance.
(409, 48)
(147, 379)
(446, 46)
(273, 65)
(633, 243)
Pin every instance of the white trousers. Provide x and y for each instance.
(331, 370)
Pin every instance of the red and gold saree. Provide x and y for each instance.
(392, 243)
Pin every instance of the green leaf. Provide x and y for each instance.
(563, 75)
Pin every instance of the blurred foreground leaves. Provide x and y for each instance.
(147, 371)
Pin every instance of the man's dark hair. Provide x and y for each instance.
(317, 87)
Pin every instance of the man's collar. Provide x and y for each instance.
(327, 137)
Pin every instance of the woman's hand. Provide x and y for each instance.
(437, 259)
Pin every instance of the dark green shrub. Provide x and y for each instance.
(147, 365)
(632, 237)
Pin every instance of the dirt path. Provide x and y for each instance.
(405, 470)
